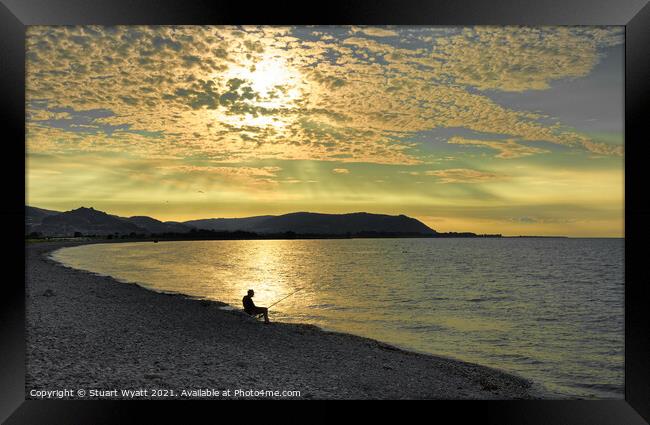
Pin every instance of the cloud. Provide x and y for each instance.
(523, 58)
(462, 175)
(341, 171)
(375, 31)
(508, 149)
(230, 171)
(541, 220)
(239, 94)
(241, 175)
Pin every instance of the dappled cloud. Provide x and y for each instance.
(507, 148)
(236, 93)
(462, 175)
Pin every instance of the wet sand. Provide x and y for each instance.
(85, 331)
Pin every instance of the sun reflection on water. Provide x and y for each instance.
(428, 295)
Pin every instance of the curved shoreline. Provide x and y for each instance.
(86, 330)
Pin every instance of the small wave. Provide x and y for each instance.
(318, 306)
(522, 358)
(485, 299)
(423, 327)
(547, 319)
(608, 388)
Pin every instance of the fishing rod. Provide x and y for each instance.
(297, 290)
(284, 298)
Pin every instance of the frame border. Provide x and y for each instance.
(15, 15)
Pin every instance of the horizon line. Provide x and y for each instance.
(348, 213)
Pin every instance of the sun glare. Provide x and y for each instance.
(272, 78)
(276, 86)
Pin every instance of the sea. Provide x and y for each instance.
(550, 310)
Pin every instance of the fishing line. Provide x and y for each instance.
(298, 290)
(284, 298)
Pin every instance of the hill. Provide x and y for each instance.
(151, 225)
(88, 221)
(34, 216)
(306, 223)
(227, 224)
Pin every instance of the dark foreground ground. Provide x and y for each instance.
(91, 332)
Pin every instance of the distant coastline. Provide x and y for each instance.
(539, 237)
(238, 235)
(88, 222)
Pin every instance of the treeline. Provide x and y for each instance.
(204, 234)
(466, 235)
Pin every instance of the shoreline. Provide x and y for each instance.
(85, 330)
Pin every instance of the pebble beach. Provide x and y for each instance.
(120, 341)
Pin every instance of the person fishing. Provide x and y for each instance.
(252, 309)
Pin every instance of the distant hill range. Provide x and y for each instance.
(34, 216)
(318, 224)
(91, 222)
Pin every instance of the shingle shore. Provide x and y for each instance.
(91, 332)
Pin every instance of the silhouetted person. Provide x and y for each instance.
(252, 309)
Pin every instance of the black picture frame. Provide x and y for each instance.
(15, 15)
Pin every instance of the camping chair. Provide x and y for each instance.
(253, 316)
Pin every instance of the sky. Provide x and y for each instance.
(511, 130)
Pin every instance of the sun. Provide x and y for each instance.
(272, 79)
(270, 73)
(276, 88)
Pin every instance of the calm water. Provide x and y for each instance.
(550, 310)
